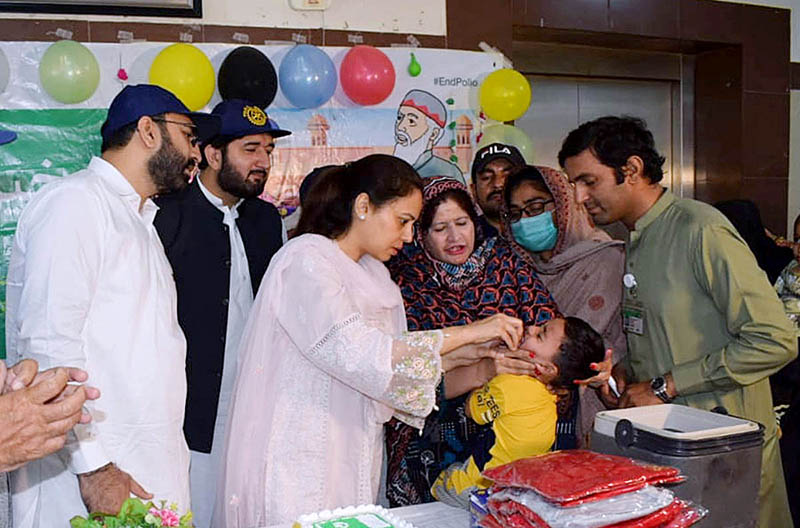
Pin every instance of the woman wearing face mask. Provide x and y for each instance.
(578, 262)
(453, 275)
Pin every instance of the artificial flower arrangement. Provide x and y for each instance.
(136, 514)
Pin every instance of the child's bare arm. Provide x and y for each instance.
(461, 380)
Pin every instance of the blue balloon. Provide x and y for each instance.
(307, 76)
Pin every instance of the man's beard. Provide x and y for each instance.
(169, 170)
(233, 182)
(409, 151)
(491, 209)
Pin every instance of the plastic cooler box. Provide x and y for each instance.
(720, 455)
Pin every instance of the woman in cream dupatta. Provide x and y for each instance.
(326, 358)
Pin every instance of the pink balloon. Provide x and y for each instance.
(367, 75)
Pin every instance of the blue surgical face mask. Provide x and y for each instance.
(536, 233)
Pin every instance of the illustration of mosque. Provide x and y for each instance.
(291, 164)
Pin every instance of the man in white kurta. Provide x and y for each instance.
(89, 286)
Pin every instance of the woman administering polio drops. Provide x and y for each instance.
(579, 263)
(454, 275)
(326, 357)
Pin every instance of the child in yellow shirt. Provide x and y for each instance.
(522, 409)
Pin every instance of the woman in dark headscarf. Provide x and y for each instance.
(453, 275)
(745, 217)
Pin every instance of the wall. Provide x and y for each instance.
(794, 5)
(793, 198)
(424, 17)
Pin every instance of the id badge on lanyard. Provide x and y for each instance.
(633, 313)
(633, 318)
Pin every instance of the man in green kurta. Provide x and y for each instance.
(704, 326)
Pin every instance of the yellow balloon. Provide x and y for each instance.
(185, 71)
(505, 95)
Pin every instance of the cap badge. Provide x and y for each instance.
(255, 115)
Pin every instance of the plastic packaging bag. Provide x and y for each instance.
(510, 512)
(678, 514)
(690, 514)
(489, 521)
(592, 514)
(576, 476)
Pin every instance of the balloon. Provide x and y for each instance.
(367, 75)
(248, 74)
(185, 71)
(508, 135)
(69, 72)
(4, 71)
(505, 95)
(414, 67)
(307, 76)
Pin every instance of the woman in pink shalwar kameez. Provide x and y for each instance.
(326, 358)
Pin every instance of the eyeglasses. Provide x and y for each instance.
(193, 139)
(532, 208)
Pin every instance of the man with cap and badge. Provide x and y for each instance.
(219, 237)
(89, 286)
(490, 168)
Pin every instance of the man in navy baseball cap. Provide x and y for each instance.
(240, 118)
(237, 160)
(87, 265)
(219, 237)
(136, 101)
(148, 123)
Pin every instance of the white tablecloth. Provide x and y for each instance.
(431, 515)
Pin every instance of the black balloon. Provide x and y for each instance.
(248, 74)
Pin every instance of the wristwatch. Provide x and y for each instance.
(659, 386)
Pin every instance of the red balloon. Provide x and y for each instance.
(367, 75)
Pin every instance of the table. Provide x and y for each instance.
(431, 515)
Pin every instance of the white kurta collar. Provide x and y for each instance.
(216, 201)
(120, 185)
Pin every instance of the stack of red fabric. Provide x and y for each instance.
(583, 489)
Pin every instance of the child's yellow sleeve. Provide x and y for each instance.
(486, 403)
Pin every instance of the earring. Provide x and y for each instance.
(362, 217)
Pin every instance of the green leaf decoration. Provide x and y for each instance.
(133, 514)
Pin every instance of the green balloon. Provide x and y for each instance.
(414, 67)
(69, 72)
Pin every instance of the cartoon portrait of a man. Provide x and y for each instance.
(421, 120)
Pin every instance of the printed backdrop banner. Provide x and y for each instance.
(432, 121)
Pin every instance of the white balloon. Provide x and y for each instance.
(5, 71)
